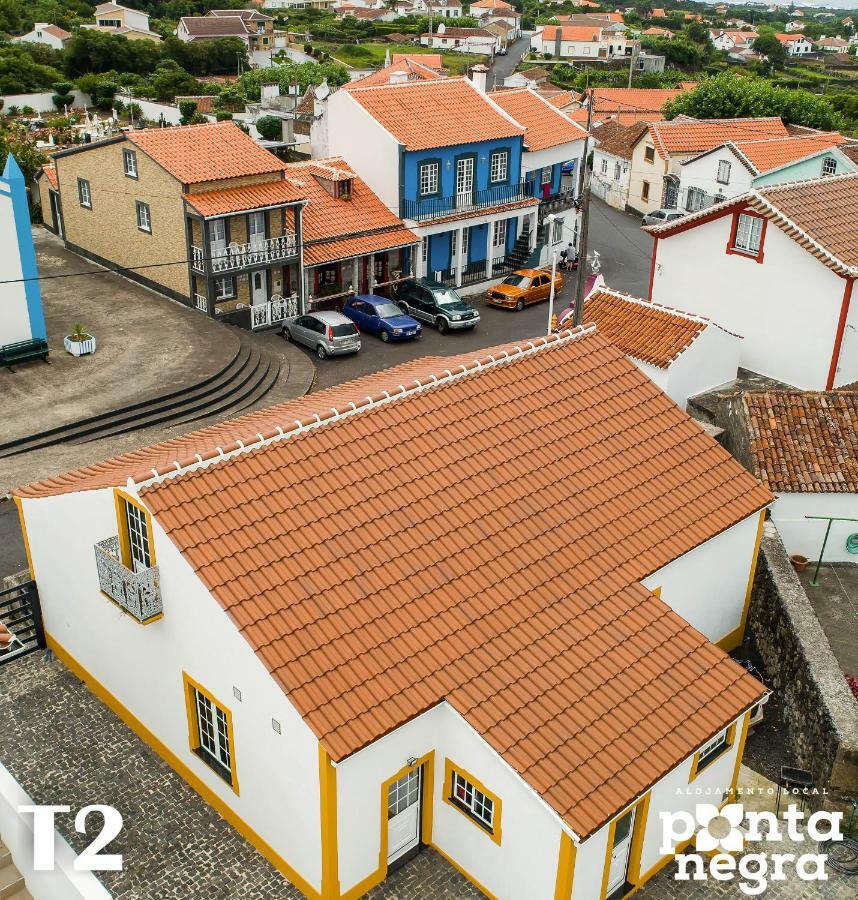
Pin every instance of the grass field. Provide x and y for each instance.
(370, 55)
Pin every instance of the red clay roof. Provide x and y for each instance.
(772, 153)
(416, 71)
(433, 60)
(426, 114)
(804, 441)
(195, 153)
(521, 516)
(546, 125)
(608, 100)
(50, 172)
(686, 135)
(251, 196)
(561, 98)
(648, 332)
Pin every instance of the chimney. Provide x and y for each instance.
(399, 77)
(478, 77)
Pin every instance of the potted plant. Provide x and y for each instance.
(799, 562)
(80, 341)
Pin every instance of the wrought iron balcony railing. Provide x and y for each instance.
(244, 256)
(436, 207)
(138, 593)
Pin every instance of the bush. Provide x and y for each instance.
(27, 110)
(308, 48)
(188, 109)
(223, 115)
(13, 111)
(270, 128)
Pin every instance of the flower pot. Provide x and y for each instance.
(79, 348)
(799, 562)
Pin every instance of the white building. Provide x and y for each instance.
(274, 5)
(804, 448)
(130, 23)
(792, 27)
(486, 11)
(581, 42)
(465, 40)
(786, 252)
(682, 353)
(611, 176)
(795, 44)
(44, 33)
(732, 40)
(735, 167)
(441, 9)
(513, 681)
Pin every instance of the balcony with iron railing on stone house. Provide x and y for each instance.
(138, 593)
(235, 256)
(565, 198)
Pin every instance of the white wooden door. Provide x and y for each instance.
(259, 291)
(465, 181)
(403, 814)
(619, 864)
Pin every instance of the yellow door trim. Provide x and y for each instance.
(641, 808)
(328, 819)
(565, 868)
(19, 504)
(606, 872)
(740, 752)
(178, 766)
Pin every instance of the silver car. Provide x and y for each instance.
(660, 216)
(328, 333)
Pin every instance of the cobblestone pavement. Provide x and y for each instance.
(426, 877)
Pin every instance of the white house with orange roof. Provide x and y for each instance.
(732, 40)
(45, 33)
(795, 44)
(585, 42)
(524, 679)
(485, 11)
(792, 250)
(735, 167)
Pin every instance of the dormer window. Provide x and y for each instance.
(344, 189)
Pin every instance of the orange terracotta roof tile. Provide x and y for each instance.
(416, 71)
(433, 60)
(773, 153)
(686, 135)
(546, 126)
(195, 153)
(250, 196)
(50, 172)
(525, 613)
(347, 247)
(648, 332)
(425, 114)
(541, 619)
(563, 98)
(608, 100)
(804, 441)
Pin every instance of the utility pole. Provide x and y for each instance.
(578, 311)
(635, 47)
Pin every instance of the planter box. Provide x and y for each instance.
(79, 348)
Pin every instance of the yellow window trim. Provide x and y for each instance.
(449, 768)
(214, 800)
(565, 868)
(695, 764)
(120, 499)
(193, 728)
(633, 870)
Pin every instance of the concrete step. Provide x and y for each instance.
(11, 881)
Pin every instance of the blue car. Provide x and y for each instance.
(377, 315)
(568, 167)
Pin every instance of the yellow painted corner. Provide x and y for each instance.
(20, 506)
(565, 868)
(328, 809)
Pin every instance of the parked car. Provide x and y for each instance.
(502, 51)
(660, 216)
(568, 167)
(328, 333)
(523, 287)
(378, 315)
(433, 302)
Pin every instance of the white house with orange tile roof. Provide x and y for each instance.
(514, 682)
(585, 42)
(485, 11)
(795, 44)
(732, 40)
(796, 263)
(44, 33)
(682, 353)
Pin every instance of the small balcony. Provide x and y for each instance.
(246, 256)
(561, 201)
(438, 207)
(138, 593)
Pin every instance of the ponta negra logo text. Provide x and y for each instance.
(719, 838)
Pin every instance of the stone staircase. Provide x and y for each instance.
(11, 882)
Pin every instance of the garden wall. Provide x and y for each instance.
(43, 102)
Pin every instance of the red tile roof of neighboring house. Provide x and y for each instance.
(608, 100)
(804, 441)
(425, 114)
(56, 32)
(525, 491)
(618, 139)
(432, 60)
(657, 32)
(196, 153)
(773, 153)
(546, 126)
(205, 102)
(789, 38)
(561, 99)
(459, 33)
(686, 135)
(335, 228)
(628, 118)
(414, 70)
(216, 26)
(821, 215)
(492, 4)
(250, 196)
(50, 172)
(647, 331)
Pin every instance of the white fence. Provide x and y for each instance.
(275, 310)
(43, 102)
(16, 829)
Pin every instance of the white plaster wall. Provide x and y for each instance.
(702, 173)
(786, 308)
(641, 171)
(805, 536)
(538, 159)
(141, 666)
(524, 865)
(43, 102)
(374, 156)
(707, 585)
(710, 360)
(613, 191)
(14, 315)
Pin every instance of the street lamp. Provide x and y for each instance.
(549, 230)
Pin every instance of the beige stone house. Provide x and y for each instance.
(200, 213)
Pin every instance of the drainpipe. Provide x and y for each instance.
(838, 337)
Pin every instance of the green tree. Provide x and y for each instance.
(769, 46)
(729, 96)
(188, 109)
(63, 94)
(270, 128)
(30, 159)
(287, 74)
(20, 74)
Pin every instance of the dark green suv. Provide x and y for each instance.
(435, 303)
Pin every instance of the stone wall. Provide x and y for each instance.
(820, 714)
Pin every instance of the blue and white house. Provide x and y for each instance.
(449, 161)
(21, 316)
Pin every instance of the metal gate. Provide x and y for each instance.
(21, 614)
